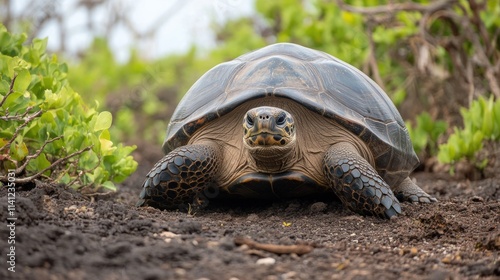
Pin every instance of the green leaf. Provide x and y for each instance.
(109, 186)
(444, 154)
(39, 163)
(496, 122)
(23, 80)
(3, 142)
(18, 151)
(11, 100)
(40, 45)
(65, 179)
(477, 142)
(103, 121)
(487, 127)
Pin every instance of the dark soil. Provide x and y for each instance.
(61, 234)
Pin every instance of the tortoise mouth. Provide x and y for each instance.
(266, 139)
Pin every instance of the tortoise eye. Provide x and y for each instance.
(281, 119)
(249, 120)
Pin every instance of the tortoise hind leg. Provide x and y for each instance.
(409, 191)
(181, 177)
(357, 183)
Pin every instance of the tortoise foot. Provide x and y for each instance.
(357, 183)
(409, 191)
(183, 176)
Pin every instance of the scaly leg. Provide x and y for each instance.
(181, 177)
(357, 183)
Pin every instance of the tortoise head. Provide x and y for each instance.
(268, 126)
(269, 135)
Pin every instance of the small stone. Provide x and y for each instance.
(212, 244)
(180, 272)
(253, 218)
(318, 207)
(266, 261)
(447, 259)
(168, 236)
(413, 251)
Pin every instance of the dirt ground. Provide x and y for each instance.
(61, 234)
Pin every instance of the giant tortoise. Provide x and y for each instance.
(286, 121)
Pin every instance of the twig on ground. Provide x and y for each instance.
(300, 249)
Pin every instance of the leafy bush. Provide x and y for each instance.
(425, 134)
(46, 129)
(481, 122)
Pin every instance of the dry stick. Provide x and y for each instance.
(398, 7)
(273, 248)
(16, 117)
(18, 129)
(35, 155)
(11, 90)
(481, 55)
(491, 70)
(476, 20)
(82, 172)
(372, 61)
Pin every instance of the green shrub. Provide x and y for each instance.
(47, 131)
(481, 122)
(425, 134)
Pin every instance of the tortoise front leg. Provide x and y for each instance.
(357, 183)
(181, 177)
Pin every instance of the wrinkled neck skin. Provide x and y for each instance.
(272, 159)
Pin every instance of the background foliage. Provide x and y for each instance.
(47, 131)
(437, 60)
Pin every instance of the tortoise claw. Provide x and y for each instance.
(409, 191)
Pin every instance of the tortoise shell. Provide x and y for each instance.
(314, 79)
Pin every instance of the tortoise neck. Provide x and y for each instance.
(273, 159)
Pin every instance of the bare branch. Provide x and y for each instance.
(397, 7)
(372, 60)
(11, 90)
(55, 163)
(82, 172)
(16, 117)
(35, 155)
(20, 127)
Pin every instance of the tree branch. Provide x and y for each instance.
(11, 90)
(398, 7)
(18, 129)
(35, 155)
(55, 163)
